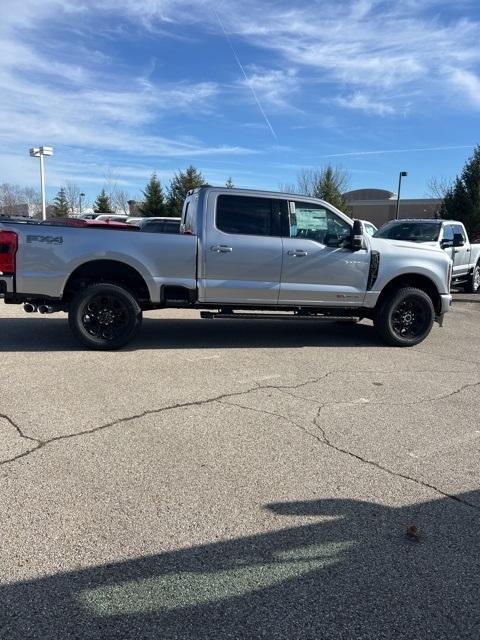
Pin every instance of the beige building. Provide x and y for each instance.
(378, 206)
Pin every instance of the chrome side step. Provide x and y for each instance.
(212, 315)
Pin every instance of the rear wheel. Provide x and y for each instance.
(405, 317)
(473, 284)
(104, 316)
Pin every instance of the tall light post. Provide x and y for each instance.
(81, 195)
(39, 152)
(403, 174)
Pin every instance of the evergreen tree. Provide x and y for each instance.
(462, 199)
(229, 183)
(102, 204)
(181, 184)
(154, 203)
(61, 206)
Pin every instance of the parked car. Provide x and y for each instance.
(20, 219)
(111, 224)
(160, 225)
(449, 235)
(157, 224)
(97, 224)
(89, 216)
(114, 217)
(238, 252)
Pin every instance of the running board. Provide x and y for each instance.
(210, 315)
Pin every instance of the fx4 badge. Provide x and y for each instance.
(46, 239)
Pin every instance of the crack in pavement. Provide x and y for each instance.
(40, 444)
(326, 441)
(18, 429)
(377, 465)
(391, 404)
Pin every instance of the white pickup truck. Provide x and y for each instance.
(449, 235)
(238, 252)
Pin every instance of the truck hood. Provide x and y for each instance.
(389, 246)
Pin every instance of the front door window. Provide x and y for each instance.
(310, 221)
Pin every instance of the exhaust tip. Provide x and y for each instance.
(46, 308)
(29, 308)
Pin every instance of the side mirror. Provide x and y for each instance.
(446, 244)
(458, 240)
(357, 242)
(332, 240)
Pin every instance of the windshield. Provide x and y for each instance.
(410, 231)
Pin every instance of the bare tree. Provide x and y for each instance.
(33, 199)
(120, 201)
(11, 195)
(72, 194)
(110, 184)
(438, 187)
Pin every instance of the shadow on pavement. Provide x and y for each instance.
(349, 573)
(53, 334)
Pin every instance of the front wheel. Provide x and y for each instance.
(473, 284)
(104, 316)
(405, 317)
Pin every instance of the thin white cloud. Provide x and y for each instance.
(276, 87)
(468, 85)
(360, 102)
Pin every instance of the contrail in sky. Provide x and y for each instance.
(374, 153)
(269, 125)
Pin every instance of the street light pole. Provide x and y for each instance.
(81, 195)
(39, 152)
(403, 174)
(42, 187)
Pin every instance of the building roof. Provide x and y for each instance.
(369, 194)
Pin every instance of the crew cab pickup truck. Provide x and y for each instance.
(449, 235)
(238, 253)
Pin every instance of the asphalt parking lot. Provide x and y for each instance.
(224, 479)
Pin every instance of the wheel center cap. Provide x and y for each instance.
(105, 316)
(407, 318)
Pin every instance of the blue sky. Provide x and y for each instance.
(255, 90)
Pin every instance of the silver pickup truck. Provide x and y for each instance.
(239, 254)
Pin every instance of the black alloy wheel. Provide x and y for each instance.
(410, 317)
(405, 317)
(105, 316)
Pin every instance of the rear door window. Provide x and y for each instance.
(246, 215)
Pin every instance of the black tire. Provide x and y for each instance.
(405, 317)
(104, 316)
(473, 284)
